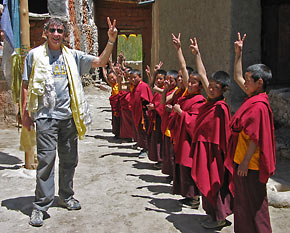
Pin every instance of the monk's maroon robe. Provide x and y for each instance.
(181, 128)
(154, 130)
(141, 95)
(115, 106)
(251, 212)
(209, 150)
(180, 125)
(168, 157)
(127, 127)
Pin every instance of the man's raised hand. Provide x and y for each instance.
(113, 31)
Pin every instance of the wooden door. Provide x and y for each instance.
(130, 16)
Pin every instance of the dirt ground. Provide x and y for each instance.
(118, 192)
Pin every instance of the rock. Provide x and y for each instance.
(278, 193)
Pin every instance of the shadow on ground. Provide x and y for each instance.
(9, 159)
(24, 205)
(190, 223)
(150, 178)
(122, 154)
(157, 189)
(185, 223)
(141, 165)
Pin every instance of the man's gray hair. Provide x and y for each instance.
(57, 22)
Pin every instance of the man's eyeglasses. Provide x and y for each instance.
(59, 30)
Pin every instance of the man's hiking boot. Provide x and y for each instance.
(36, 218)
(71, 204)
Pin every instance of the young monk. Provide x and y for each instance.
(141, 96)
(252, 147)
(182, 122)
(170, 88)
(127, 129)
(113, 80)
(209, 147)
(154, 129)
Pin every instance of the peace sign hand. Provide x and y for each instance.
(113, 31)
(158, 66)
(194, 46)
(239, 44)
(176, 41)
(147, 70)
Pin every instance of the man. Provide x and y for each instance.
(53, 97)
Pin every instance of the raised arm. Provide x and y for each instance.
(199, 64)
(105, 74)
(158, 90)
(121, 60)
(120, 75)
(182, 63)
(164, 93)
(238, 69)
(104, 57)
(150, 79)
(170, 97)
(156, 68)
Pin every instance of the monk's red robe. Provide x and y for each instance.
(255, 118)
(115, 106)
(209, 148)
(127, 127)
(182, 125)
(164, 114)
(141, 95)
(154, 131)
(168, 157)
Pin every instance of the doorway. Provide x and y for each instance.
(275, 39)
(130, 45)
(132, 19)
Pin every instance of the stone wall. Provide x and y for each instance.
(280, 102)
(84, 33)
(215, 24)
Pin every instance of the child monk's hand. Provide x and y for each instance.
(150, 106)
(194, 46)
(177, 109)
(118, 71)
(239, 44)
(176, 41)
(158, 66)
(148, 72)
(168, 108)
(243, 168)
